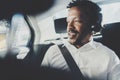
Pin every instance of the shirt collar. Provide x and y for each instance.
(88, 46)
(91, 42)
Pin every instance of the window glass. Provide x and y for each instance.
(47, 26)
(20, 31)
(111, 13)
(4, 28)
(20, 36)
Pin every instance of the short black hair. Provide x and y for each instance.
(91, 9)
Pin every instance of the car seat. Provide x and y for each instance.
(111, 36)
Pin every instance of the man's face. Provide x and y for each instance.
(77, 22)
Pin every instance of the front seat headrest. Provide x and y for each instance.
(111, 36)
(60, 25)
(111, 30)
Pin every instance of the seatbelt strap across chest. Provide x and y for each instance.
(71, 63)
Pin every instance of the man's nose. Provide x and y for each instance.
(70, 24)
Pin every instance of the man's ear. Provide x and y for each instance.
(97, 26)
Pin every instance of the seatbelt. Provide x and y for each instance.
(71, 63)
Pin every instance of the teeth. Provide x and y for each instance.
(72, 33)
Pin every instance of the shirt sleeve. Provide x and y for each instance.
(51, 53)
(114, 73)
(46, 59)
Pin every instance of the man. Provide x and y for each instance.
(96, 61)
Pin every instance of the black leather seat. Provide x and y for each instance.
(111, 36)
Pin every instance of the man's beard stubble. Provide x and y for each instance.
(81, 37)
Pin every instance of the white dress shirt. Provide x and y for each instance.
(96, 61)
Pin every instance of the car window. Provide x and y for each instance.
(111, 13)
(20, 31)
(4, 28)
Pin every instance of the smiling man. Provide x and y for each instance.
(78, 29)
(95, 61)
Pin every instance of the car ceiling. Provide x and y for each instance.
(9, 7)
(61, 4)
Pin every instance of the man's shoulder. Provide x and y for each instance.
(103, 48)
(106, 52)
(53, 47)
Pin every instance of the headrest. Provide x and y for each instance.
(111, 31)
(60, 25)
(111, 36)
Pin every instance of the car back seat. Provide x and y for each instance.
(111, 36)
(35, 57)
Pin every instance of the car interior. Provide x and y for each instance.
(26, 36)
